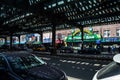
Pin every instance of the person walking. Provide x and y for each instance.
(112, 49)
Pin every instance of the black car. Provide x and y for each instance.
(89, 51)
(24, 47)
(4, 47)
(25, 66)
(65, 50)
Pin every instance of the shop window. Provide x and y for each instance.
(106, 33)
(118, 32)
(96, 32)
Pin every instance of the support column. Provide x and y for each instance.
(5, 40)
(11, 41)
(53, 52)
(41, 37)
(19, 39)
(82, 36)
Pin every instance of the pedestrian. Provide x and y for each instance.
(112, 49)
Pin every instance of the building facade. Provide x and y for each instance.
(112, 30)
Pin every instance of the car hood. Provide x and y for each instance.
(46, 72)
(110, 70)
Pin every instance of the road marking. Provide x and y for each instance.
(45, 58)
(78, 67)
(73, 78)
(73, 67)
(58, 64)
(64, 61)
(86, 63)
(83, 68)
(53, 63)
(96, 64)
(91, 69)
(78, 63)
(73, 62)
(103, 65)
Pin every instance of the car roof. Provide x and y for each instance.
(16, 53)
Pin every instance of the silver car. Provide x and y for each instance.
(111, 71)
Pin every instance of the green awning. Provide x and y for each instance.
(77, 38)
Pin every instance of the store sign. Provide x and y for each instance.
(111, 39)
(89, 37)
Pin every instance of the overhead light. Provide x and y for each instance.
(60, 2)
(83, 8)
(80, 3)
(118, 8)
(49, 6)
(68, 0)
(90, 2)
(53, 5)
(86, 7)
(45, 8)
(90, 6)
(94, 1)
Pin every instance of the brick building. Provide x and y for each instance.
(112, 30)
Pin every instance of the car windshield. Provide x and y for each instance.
(24, 62)
(110, 70)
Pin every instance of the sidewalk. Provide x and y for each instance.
(102, 56)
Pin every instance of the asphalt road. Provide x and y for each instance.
(76, 68)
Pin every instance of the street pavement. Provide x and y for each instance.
(103, 55)
(76, 68)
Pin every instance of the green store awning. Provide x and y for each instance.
(92, 37)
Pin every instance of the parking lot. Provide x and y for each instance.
(76, 68)
(77, 39)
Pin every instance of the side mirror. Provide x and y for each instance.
(116, 58)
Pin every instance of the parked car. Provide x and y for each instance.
(89, 51)
(65, 50)
(25, 48)
(4, 47)
(25, 66)
(111, 71)
(39, 47)
(16, 48)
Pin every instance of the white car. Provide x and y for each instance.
(111, 71)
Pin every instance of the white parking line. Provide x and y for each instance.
(72, 78)
(104, 65)
(96, 64)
